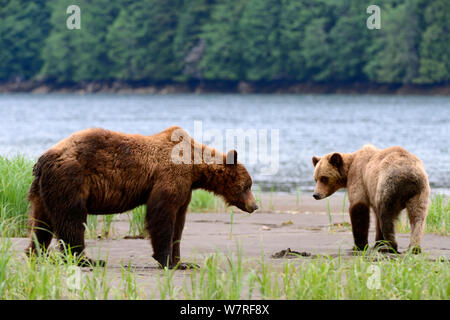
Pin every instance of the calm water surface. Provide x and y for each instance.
(308, 125)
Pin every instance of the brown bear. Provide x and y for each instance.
(98, 171)
(387, 181)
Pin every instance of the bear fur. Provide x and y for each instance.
(98, 171)
(387, 181)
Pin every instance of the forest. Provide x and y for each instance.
(154, 41)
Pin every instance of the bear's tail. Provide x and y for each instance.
(45, 162)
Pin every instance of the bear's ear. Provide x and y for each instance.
(336, 160)
(315, 160)
(231, 157)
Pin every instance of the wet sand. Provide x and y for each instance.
(306, 229)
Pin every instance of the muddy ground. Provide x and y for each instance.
(304, 228)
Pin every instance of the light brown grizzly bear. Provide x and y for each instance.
(387, 181)
(98, 171)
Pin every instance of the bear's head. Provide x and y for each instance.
(238, 184)
(329, 175)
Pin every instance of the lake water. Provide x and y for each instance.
(308, 125)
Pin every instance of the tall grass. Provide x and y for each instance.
(258, 197)
(271, 199)
(136, 220)
(230, 235)
(106, 226)
(330, 216)
(438, 218)
(91, 227)
(56, 276)
(204, 201)
(15, 181)
(232, 277)
(225, 276)
(343, 208)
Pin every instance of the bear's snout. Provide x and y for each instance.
(252, 207)
(249, 202)
(317, 196)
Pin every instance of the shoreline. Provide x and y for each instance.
(224, 87)
(288, 202)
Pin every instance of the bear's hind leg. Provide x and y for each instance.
(417, 208)
(69, 229)
(379, 239)
(378, 233)
(360, 219)
(65, 195)
(389, 244)
(388, 214)
(41, 229)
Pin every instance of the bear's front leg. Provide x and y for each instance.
(176, 240)
(161, 228)
(165, 225)
(360, 219)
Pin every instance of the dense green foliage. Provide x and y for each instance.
(24, 26)
(251, 40)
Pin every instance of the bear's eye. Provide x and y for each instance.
(324, 180)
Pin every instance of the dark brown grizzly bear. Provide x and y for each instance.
(98, 171)
(387, 181)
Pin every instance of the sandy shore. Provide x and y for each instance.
(284, 222)
(305, 229)
(253, 235)
(266, 233)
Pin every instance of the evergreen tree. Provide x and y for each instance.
(141, 41)
(222, 59)
(349, 38)
(316, 50)
(295, 16)
(79, 55)
(24, 25)
(188, 45)
(127, 41)
(259, 37)
(394, 54)
(59, 54)
(435, 45)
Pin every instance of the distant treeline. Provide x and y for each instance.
(318, 41)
